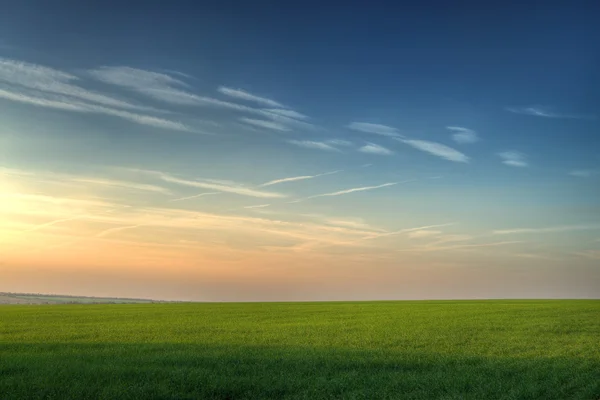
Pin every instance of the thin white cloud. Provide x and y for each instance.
(452, 238)
(372, 148)
(134, 78)
(406, 230)
(309, 144)
(287, 113)
(265, 124)
(356, 223)
(296, 178)
(514, 159)
(374, 128)
(243, 95)
(584, 173)
(118, 229)
(123, 184)
(235, 189)
(257, 206)
(285, 120)
(347, 191)
(545, 112)
(463, 135)
(437, 149)
(463, 246)
(552, 229)
(195, 196)
(46, 87)
(57, 221)
(48, 80)
(63, 103)
(339, 142)
(423, 233)
(159, 86)
(168, 89)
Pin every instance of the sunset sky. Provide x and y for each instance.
(265, 151)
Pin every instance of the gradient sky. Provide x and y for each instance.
(221, 151)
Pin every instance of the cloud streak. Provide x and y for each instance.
(423, 233)
(257, 206)
(584, 173)
(243, 95)
(406, 230)
(238, 189)
(287, 113)
(437, 149)
(372, 148)
(374, 129)
(309, 144)
(167, 89)
(296, 178)
(46, 87)
(545, 112)
(552, 229)
(514, 159)
(347, 191)
(265, 124)
(195, 196)
(463, 135)
(110, 231)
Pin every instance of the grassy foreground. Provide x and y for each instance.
(362, 350)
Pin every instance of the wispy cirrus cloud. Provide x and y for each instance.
(159, 86)
(339, 142)
(135, 78)
(461, 246)
(297, 178)
(237, 189)
(309, 144)
(514, 159)
(257, 206)
(546, 112)
(376, 129)
(356, 223)
(51, 81)
(243, 95)
(372, 148)
(347, 191)
(584, 173)
(234, 184)
(437, 149)
(265, 124)
(423, 233)
(406, 230)
(167, 89)
(93, 182)
(110, 231)
(47, 224)
(47, 87)
(123, 184)
(463, 135)
(287, 113)
(195, 196)
(551, 229)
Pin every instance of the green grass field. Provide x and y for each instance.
(363, 350)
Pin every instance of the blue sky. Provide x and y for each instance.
(392, 143)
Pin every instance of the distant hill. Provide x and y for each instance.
(36, 298)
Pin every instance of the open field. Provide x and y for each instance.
(362, 350)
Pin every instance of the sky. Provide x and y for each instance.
(266, 151)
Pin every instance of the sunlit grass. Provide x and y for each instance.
(366, 350)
